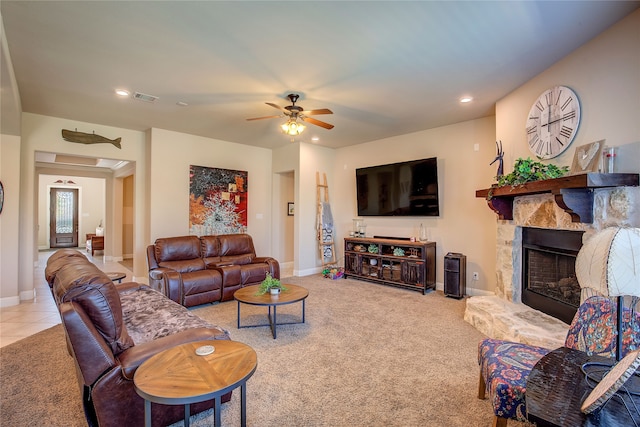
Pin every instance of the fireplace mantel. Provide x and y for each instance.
(573, 193)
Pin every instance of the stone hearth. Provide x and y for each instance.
(503, 315)
(505, 320)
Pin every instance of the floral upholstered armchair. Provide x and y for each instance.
(505, 365)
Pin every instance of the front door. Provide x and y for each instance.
(63, 218)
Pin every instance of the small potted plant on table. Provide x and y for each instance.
(272, 285)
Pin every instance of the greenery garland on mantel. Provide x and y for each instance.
(528, 170)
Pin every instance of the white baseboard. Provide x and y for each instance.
(27, 295)
(9, 301)
(15, 300)
(288, 264)
(307, 272)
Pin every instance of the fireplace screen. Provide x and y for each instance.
(553, 275)
(549, 281)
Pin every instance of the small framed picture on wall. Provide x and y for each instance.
(290, 208)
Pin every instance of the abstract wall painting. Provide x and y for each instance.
(217, 201)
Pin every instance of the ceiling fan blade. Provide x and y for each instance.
(317, 122)
(276, 106)
(265, 117)
(315, 112)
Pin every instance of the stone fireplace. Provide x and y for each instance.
(507, 314)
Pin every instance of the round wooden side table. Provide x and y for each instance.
(180, 376)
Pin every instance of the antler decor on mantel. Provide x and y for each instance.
(499, 158)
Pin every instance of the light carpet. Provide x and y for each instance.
(368, 355)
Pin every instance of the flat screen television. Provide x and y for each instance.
(399, 189)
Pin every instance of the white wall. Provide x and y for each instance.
(605, 74)
(9, 220)
(172, 153)
(286, 162)
(283, 232)
(127, 217)
(465, 223)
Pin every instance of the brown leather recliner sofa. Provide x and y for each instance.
(195, 270)
(111, 330)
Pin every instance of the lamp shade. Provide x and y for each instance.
(609, 262)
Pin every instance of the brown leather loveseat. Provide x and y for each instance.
(111, 330)
(193, 270)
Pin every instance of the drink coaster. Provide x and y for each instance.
(612, 382)
(205, 350)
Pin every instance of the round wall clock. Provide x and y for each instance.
(553, 122)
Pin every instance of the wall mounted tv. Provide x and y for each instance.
(399, 189)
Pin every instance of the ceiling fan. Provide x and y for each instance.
(294, 112)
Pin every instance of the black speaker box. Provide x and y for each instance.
(455, 275)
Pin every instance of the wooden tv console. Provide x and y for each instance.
(395, 262)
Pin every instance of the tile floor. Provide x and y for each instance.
(29, 317)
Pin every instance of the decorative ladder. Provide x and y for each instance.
(325, 235)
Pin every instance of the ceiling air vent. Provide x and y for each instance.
(144, 97)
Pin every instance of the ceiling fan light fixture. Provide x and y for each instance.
(294, 112)
(292, 127)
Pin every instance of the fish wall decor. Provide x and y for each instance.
(88, 138)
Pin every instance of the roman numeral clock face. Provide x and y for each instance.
(553, 122)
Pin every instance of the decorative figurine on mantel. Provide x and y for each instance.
(499, 157)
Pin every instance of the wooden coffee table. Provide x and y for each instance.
(293, 294)
(179, 376)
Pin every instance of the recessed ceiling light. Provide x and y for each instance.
(122, 92)
(315, 139)
(466, 99)
(182, 103)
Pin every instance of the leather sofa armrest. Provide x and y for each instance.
(168, 282)
(231, 274)
(151, 257)
(135, 356)
(220, 264)
(157, 273)
(274, 265)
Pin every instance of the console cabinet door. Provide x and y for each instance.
(413, 272)
(352, 263)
